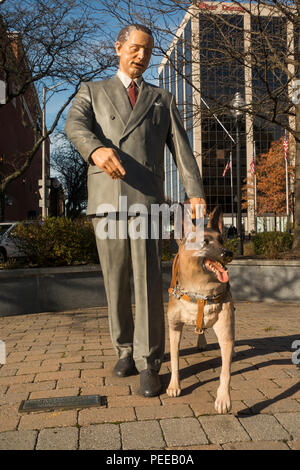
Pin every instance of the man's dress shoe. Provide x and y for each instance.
(149, 383)
(125, 367)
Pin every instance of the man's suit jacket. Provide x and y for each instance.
(101, 116)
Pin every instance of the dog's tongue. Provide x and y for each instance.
(217, 269)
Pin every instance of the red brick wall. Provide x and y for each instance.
(17, 137)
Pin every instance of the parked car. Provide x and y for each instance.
(8, 246)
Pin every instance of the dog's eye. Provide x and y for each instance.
(206, 241)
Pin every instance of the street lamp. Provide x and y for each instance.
(237, 104)
(44, 183)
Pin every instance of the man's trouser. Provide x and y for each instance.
(144, 336)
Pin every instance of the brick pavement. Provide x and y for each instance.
(70, 353)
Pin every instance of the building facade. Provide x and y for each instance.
(20, 127)
(210, 51)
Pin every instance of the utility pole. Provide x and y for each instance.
(45, 182)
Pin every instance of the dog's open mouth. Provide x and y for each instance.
(217, 268)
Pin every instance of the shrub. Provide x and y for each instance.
(231, 244)
(270, 244)
(58, 241)
(169, 247)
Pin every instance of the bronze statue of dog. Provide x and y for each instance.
(200, 295)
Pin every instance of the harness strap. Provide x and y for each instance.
(200, 302)
(175, 269)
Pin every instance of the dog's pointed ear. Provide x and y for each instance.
(215, 219)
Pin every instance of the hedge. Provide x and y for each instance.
(271, 244)
(57, 241)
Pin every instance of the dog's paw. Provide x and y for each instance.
(173, 391)
(223, 402)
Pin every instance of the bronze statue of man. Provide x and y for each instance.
(121, 126)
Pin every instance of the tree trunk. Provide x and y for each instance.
(296, 243)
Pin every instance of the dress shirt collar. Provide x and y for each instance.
(127, 80)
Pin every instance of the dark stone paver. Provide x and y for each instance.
(18, 440)
(100, 437)
(142, 435)
(183, 432)
(58, 439)
(291, 422)
(264, 428)
(223, 428)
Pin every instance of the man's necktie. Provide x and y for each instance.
(132, 93)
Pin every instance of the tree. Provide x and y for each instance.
(56, 41)
(265, 52)
(270, 181)
(271, 186)
(72, 173)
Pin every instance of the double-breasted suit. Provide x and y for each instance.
(101, 116)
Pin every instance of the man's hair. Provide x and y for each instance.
(125, 32)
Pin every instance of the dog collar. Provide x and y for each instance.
(194, 297)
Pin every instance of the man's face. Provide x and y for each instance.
(135, 53)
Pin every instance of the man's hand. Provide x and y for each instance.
(193, 201)
(108, 160)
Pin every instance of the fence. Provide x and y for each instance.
(266, 223)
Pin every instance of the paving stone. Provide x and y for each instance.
(9, 418)
(18, 440)
(200, 447)
(131, 400)
(105, 415)
(270, 406)
(142, 435)
(31, 387)
(58, 439)
(263, 427)
(161, 412)
(65, 375)
(183, 432)
(12, 398)
(291, 422)
(37, 369)
(86, 374)
(221, 429)
(83, 366)
(80, 383)
(237, 407)
(48, 420)
(259, 445)
(8, 371)
(61, 392)
(16, 379)
(200, 397)
(100, 437)
(294, 445)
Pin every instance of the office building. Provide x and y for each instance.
(214, 70)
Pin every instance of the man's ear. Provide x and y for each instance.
(215, 220)
(118, 47)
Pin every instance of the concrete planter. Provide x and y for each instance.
(265, 280)
(56, 289)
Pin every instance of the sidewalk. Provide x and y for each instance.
(70, 353)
